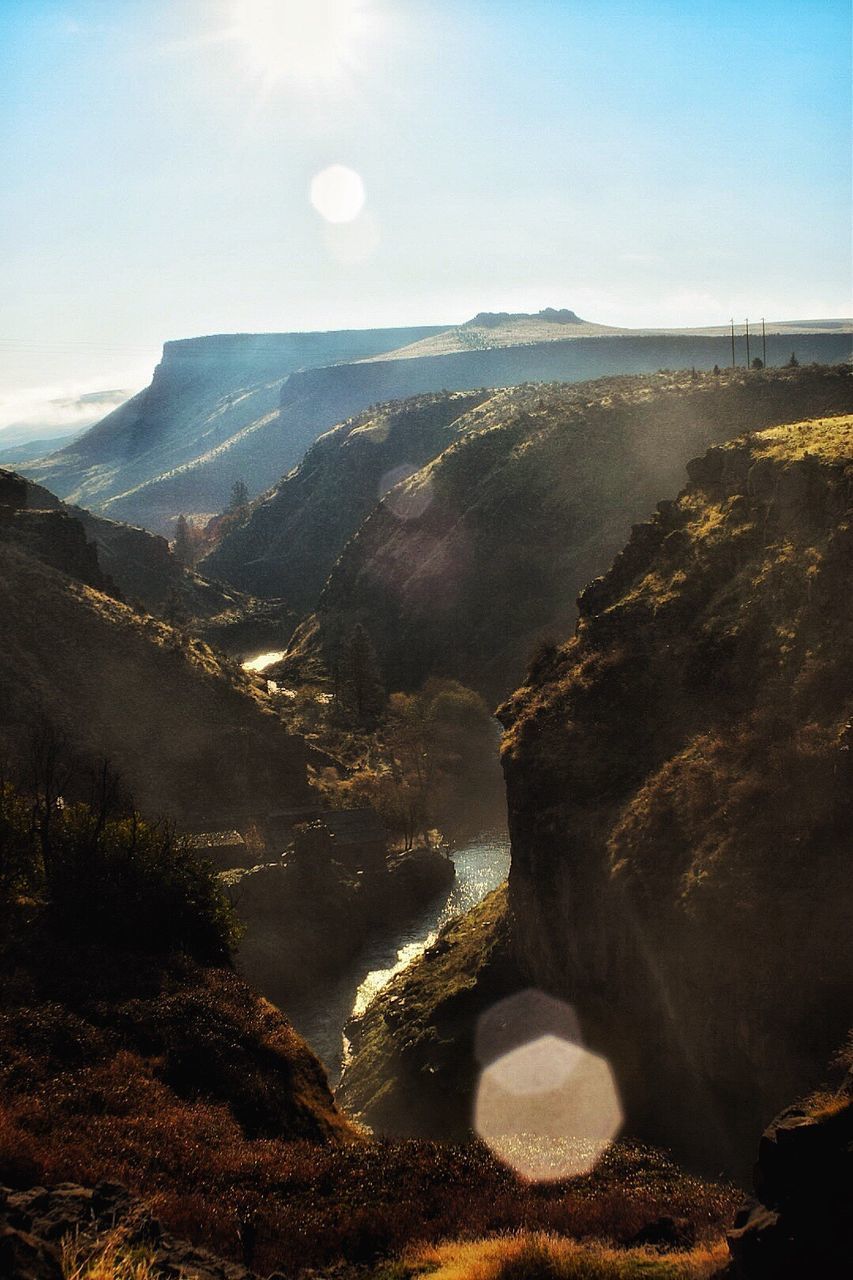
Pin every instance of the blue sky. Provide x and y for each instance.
(646, 163)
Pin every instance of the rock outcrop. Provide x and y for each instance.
(39, 1224)
(801, 1220)
(413, 1069)
(680, 795)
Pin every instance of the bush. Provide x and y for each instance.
(118, 881)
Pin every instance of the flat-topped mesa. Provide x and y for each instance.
(553, 315)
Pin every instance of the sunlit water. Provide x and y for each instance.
(261, 661)
(481, 865)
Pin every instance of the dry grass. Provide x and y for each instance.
(552, 1257)
(110, 1257)
(829, 439)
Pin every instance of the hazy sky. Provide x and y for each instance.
(655, 162)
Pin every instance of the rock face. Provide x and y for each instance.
(800, 1223)
(680, 795)
(466, 567)
(34, 1224)
(414, 1068)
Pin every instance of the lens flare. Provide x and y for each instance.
(545, 1105)
(337, 193)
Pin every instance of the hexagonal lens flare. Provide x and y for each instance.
(547, 1107)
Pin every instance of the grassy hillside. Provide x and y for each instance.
(464, 568)
(293, 537)
(680, 794)
(189, 734)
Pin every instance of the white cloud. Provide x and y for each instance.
(30, 413)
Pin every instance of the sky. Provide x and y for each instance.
(166, 170)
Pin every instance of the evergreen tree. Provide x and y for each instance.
(183, 545)
(758, 363)
(793, 363)
(239, 496)
(365, 688)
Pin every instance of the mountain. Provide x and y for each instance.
(189, 734)
(26, 451)
(247, 406)
(462, 569)
(680, 795)
(209, 417)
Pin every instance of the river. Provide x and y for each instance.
(481, 865)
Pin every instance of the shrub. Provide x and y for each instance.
(118, 881)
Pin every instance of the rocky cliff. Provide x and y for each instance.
(465, 567)
(680, 794)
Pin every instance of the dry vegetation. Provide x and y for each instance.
(551, 1257)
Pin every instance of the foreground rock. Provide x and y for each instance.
(801, 1222)
(413, 1070)
(681, 792)
(41, 1226)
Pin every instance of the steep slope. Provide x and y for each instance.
(680, 795)
(209, 417)
(139, 565)
(463, 568)
(295, 534)
(189, 735)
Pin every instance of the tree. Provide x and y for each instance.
(758, 363)
(793, 363)
(717, 369)
(239, 496)
(362, 679)
(182, 545)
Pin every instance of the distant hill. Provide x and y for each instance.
(189, 734)
(140, 564)
(209, 417)
(247, 406)
(463, 568)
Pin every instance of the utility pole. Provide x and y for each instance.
(763, 343)
(746, 331)
(733, 342)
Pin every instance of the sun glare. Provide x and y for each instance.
(302, 40)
